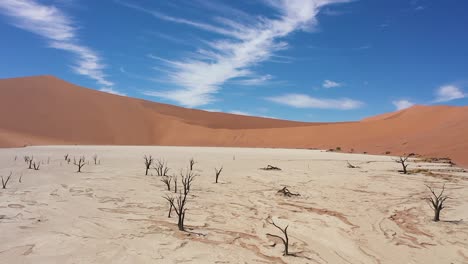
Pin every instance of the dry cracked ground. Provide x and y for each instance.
(113, 213)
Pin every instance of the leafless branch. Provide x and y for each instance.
(218, 172)
(5, 182)
(285, 240)
(161, 168)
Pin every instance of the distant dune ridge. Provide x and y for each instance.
(45, 110)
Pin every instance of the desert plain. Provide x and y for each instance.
(113, 213)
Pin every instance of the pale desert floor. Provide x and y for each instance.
(113, 213)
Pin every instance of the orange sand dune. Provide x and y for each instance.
(45, 110)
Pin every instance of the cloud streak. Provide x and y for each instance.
(199, 78)
(305, 101)
(60, 33)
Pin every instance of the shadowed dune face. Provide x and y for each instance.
(45, 110)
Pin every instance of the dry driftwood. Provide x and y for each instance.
(351, 166)
(285, 191)
(270, 167)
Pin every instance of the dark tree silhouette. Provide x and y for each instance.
(192, 162)
(179, 202)
(436, 201)
(148, 161)
(403, 163)
(81, 162)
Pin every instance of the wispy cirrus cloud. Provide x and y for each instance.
(243, 45)
(59, 31)
(306, 101)
(448, 93)
(331, 84)
(402, 104)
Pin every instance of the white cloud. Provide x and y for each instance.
(448, 93)
(202, 75)
(330, 84)
(212, 110)
(402, 104)
(112, 91)
(60, 32)
(237, 112)
(305, 101)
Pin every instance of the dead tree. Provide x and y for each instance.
(436, 201)
(36, 166)
(192, 162)
(81, 162)
(285, 240)
(218, 172)
(148, 161)
(29, 161)
(66, 157)
(403, 163)
(170, 199)
(179, 202)
(167, 180)
(95, 158)
(161, 168)
(5, 182)
(285, 191)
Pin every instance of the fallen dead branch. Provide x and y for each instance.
(351, 166)
(285, 191)
(270, 167)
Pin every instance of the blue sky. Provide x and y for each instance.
(309, 60)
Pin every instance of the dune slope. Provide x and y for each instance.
(46, 110)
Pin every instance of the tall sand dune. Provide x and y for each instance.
(45, 110)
